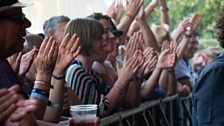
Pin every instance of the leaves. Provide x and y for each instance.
(178, 9)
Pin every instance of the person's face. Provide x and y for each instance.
(58, 32)
(13, 26)
(98, 46)
(108, 36)
(191, 48)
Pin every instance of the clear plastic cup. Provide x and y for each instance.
(84, 115)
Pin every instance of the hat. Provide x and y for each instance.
(10, 4)
(116, 32)
(160, 31)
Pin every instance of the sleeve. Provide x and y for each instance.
(181, 70)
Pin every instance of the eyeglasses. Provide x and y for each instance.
(16, 17)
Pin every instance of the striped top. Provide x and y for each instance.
(88, 85)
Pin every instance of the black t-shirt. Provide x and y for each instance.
(8, 77)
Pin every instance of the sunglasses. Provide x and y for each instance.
(16, 17)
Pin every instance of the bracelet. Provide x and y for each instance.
(164, 8)
(40, 97)
(58, 78)
(45, 99)
(40, 91)
(43, 83)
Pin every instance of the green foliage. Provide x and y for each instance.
(179, 9)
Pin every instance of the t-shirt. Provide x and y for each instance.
(184, 70)
(8, 77)
(88, 86)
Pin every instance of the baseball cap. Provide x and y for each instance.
(115, 31)
(10, 4)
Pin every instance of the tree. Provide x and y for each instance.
(179, 9)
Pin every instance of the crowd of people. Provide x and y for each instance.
(104, 59)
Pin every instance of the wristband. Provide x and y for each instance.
(164, 8)
(58, 78)
(43, 83)
(40, 97)
(45, 99)
(40, 91)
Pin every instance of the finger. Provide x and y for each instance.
(23, 103)
(76, 44)
(15, 89)
(51, 49)
(65, 40)
(72, 41)
(7, 101)
(44, 43)
(77, 52)
(7, 112)
(48, 47)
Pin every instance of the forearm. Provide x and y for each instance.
(114, 96)
(148, 10)
(164, 12)
(172, 84)
(44, 85)
(125, 24)
(168, 81)
(133, 96)
(151, 83)
(149, 38)
(181, 47)
(57, 97)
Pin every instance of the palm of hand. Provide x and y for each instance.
(166, 60)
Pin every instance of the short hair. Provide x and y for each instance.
(87, 30)
(31, 41)
(53, 22)
(98, 16)
(220, 28)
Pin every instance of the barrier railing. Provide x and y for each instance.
(170, 111)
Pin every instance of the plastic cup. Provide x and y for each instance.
(84, 115)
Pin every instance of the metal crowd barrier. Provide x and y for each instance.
(170, 111)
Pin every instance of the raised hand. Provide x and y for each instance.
(129, 68)
(134, 43)
(166, 59)
(181, 28)
(46, 58)
(110, 10)
(118, 9)
(141, 14)
(26, 61)
(150, 60)
(133, 7)
(68, 50)
(195, 20)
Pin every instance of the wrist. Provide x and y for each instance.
(43, 77)
(129, 16)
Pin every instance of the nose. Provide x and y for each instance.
(26, 23)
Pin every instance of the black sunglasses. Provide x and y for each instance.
(15, 17)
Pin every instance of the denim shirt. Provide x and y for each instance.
(208, 95)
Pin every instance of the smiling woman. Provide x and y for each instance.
(44, 9)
